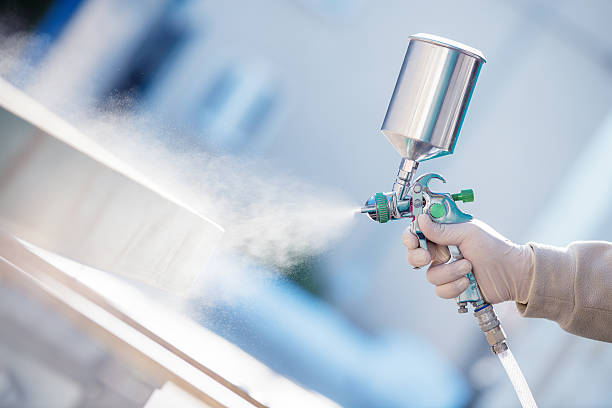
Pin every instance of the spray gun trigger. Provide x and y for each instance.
(416, 230)
(424, 180)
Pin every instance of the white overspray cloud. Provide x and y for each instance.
(268, 215)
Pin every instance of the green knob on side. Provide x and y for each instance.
(382, 207)
(467, 196)
(437, 210)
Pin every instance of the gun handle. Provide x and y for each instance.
(472, 293)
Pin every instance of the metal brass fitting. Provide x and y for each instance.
(404, 176)
(489, 324)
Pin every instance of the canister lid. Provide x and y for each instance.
(445, 42)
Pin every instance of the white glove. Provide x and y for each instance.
(502, 268)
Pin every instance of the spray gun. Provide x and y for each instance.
(423, 121)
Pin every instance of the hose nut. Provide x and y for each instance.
(495, 336)
(499, 347)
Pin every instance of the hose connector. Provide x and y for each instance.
(489, 324)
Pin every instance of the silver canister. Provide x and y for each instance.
(431, 97)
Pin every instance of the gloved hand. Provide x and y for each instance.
(502, 268)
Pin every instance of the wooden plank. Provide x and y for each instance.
(62, 192)
(127, 338)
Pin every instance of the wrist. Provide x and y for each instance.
(525, 271)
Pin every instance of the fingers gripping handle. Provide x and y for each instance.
(472, 293)
(424, 201)
(416, 230)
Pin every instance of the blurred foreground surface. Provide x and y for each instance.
(74, 336)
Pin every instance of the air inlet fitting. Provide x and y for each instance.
(489, 324)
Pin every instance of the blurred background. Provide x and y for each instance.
(304, 85)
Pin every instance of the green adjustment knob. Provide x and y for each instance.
(437, 210)
(382, 207)
(467, 196)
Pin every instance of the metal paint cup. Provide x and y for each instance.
(431, 96)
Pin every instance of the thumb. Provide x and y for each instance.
(443, 234)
